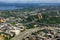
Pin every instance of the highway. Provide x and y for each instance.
(28, 32)
(25, 33)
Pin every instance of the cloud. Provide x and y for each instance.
(34, 1)
(24, 1)
(50, 1)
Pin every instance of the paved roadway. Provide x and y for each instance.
(28, 32)
(25, 33)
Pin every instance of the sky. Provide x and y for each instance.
(31, 1)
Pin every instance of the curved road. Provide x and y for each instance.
(25, 33)
(28, 32)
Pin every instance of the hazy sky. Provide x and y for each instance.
(32, 1)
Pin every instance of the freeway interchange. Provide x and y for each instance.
(29, 32)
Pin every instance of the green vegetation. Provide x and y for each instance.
(6, 36)
(13, 23)
(54, 20)
(38, 32)
(51, 20)
(30, 26)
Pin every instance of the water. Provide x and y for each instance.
(12, 6)
(9, 7)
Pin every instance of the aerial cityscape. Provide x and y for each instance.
(29, 20)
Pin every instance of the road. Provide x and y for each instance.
(31, 22)
(25, 33)
(28, 32)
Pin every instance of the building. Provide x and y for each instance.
(39, 15)
(2, 20)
